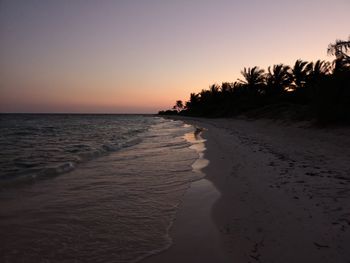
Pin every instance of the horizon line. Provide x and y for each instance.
(79, 113)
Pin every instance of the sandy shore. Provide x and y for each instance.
(273, 192)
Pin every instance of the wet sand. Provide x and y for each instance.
(273, 192)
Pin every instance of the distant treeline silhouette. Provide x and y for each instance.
(307, 90)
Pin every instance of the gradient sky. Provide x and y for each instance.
(140, 56)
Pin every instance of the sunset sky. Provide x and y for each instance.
(140, 56)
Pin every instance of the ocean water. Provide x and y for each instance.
(47, 144)
(91, 188)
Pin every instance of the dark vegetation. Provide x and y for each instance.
(305, 91)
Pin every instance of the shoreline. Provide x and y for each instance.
(283, 195)
(194, 230)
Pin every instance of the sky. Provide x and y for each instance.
(140, 56)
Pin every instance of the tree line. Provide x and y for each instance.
(306, 90)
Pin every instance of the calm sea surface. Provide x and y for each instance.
(91, 188)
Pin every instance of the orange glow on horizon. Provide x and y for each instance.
(121, 56)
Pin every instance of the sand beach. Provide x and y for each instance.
(273, 192)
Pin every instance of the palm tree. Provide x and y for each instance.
(278, 78)
(193, 102)
(319, 68)
(300, 70)
(214, 89)
(316, 76)
(254, 79)
(226, 87)
(178, 106)
(194, 98)
(339, 49)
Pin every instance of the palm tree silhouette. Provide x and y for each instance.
(339, 49)
(178, 106)
(300, 70)
(194, 98)
(319, 68)
(193, 102)
(316, 90)
(278, 78)
(226, 87)
(214, 89)
(254, 79)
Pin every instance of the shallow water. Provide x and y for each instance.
(115, 208)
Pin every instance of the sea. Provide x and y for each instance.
(92, 188)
